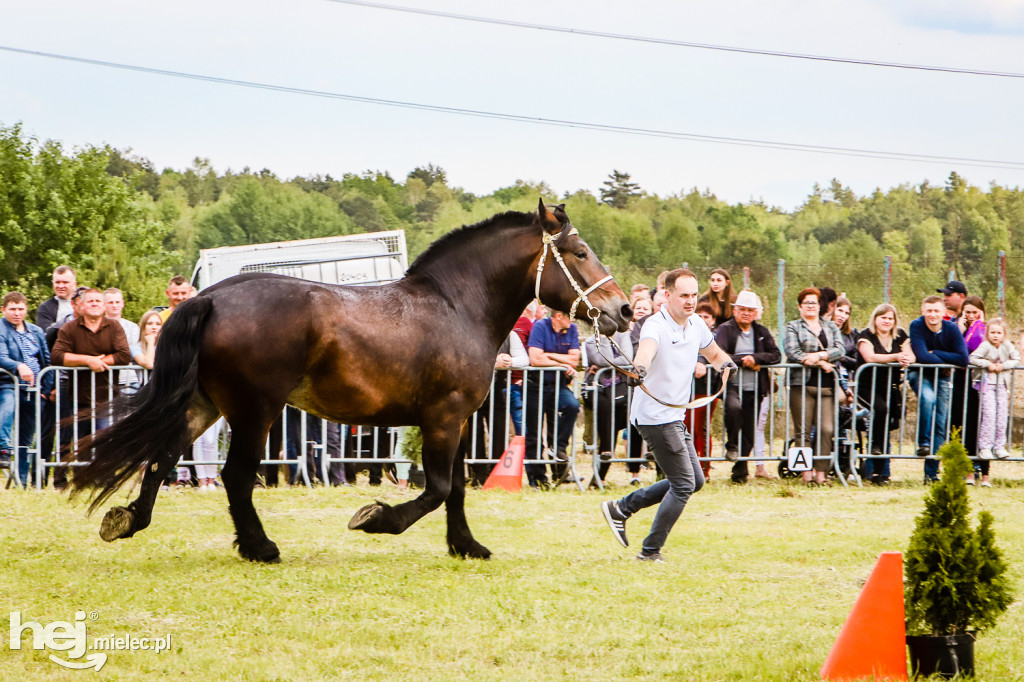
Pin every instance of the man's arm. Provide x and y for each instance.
(6, 361)
(917, 345)
(122, 354)
(63, 353)
(645, 353)
(957, 353)
(725, 340)
(771, 354)
(94, 362)
(716, 356)
(541, 358)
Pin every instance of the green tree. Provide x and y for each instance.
(59, 208)
(429, 174)
(260, 211)
(618, 190)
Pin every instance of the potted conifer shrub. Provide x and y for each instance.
(956, 582)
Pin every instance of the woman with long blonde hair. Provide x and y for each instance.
(144, 352)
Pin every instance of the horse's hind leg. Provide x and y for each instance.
(123, 522)
(460, 538)
(440, 442)
(248, 438)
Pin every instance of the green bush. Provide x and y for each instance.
(955, 576)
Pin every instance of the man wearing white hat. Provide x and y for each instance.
(751, 347)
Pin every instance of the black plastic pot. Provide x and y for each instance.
(948, 655)
(417, 477)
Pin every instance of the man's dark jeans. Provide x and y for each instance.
(673, 450)
(741, 411)
(560, 406)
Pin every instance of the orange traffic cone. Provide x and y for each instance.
(508, 473)
(873, 641)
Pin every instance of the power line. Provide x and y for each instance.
(518, 118)
(678, 43)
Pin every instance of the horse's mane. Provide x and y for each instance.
(445, 245)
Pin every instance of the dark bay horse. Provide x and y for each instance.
(419, 351)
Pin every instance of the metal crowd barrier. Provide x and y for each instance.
(11, 466)
(763, 449)
(961, 392)
(333, 446)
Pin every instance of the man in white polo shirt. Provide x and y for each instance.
(665, 360)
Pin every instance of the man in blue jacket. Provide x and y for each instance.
(935, 341)
(23, 354)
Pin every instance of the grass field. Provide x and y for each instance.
(759, 581)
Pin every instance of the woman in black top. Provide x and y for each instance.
(883, 342)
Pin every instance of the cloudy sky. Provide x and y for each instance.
(339, 48)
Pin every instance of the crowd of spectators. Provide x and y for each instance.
(830, 367)
(952, 359)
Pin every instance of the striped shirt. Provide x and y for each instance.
(29, 350)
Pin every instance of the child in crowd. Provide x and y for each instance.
(995, 356)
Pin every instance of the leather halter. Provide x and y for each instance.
(549, 245)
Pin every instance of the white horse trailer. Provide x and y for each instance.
(357, 259)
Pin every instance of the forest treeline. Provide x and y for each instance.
(121, 222)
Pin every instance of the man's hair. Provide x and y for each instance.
(77, 293)
(113, 290)
(638, 287)
(14, 297)
(177, 280)
(672, 276)
(809, 291)
(61, 269)
(90, 290)
(928, 300)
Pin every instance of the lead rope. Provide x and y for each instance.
(692, 405)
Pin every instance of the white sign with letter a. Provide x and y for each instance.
(801, 459)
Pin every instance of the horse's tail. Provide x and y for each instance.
(155, 422)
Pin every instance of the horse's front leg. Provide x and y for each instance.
(460, 538)
(440, 442)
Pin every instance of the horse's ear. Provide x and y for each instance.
(548, 220)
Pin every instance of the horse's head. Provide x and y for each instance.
(573, 280)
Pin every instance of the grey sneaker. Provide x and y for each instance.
(654, 557)
(732, 454)
(616, 521)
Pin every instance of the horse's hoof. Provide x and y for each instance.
(117, 523)
(470, 550)
(266, 553)
(367, 518)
